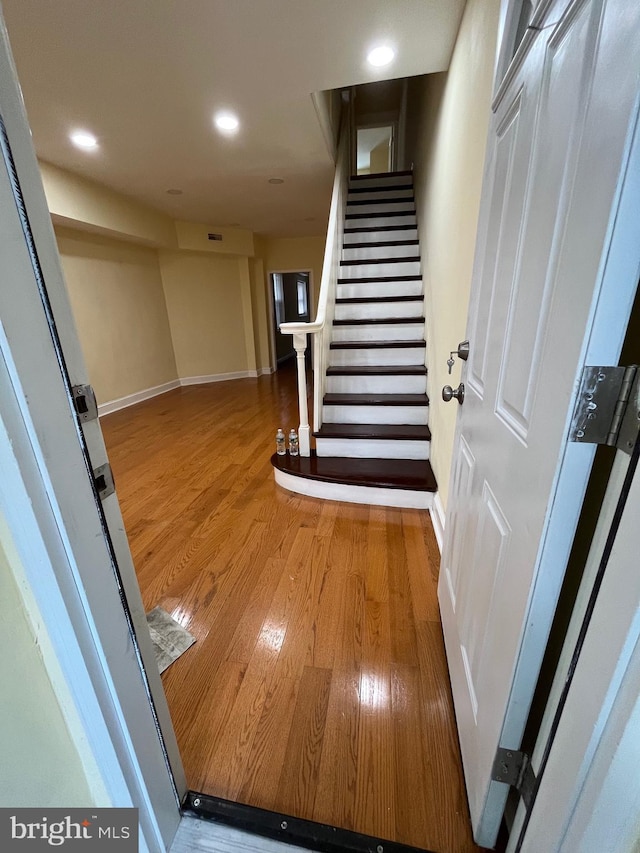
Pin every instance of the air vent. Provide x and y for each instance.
(214, 236)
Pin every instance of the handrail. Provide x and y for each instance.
(320, 328)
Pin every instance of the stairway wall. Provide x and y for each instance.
(446, 137)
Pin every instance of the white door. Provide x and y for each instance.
(38, 341)
(557, 150)
(587, 753)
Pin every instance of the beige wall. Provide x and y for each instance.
(204, 295)
(119, 306)
(261, 313)
(449, 121)
(75, 201)
(295, 254)
(41, 763)
(194, 236)
(379, 157)
(154, 300)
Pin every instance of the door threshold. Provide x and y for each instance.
(290, 830)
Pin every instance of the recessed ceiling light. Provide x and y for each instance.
(84, 140)
(381, 55)
(276, 180)
(226, 122)
(174, 192)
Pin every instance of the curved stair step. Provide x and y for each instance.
(381, 482)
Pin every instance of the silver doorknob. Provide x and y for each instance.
(448, 393)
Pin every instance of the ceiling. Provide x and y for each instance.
(146, 76)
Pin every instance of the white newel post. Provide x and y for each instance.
(304, 430)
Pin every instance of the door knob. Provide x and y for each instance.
(448, 392)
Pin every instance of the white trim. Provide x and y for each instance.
(148, 393)
(136, 397)
(218, 377)
(438, 519)
(374, 495)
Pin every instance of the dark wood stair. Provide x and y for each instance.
(408, 432)
(376, 344)
(359, 262)
(379, 321)
(378, 370)
(398, 174)
(376, 400)
(412, 474)
(382, 189)
(356, 300)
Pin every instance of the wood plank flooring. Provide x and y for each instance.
(318, 684)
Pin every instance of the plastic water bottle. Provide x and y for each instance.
(294, 445)
(281, 447)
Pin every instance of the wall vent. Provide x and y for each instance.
(214, 236)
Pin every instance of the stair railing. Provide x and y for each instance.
(320, 328)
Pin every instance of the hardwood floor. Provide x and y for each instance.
(318, 685)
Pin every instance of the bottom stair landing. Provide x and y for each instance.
(384, 482)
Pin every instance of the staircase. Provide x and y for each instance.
(373, 445)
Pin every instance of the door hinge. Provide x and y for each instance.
(608, 407)
(514, 768)
(103, 478)
(85, 403)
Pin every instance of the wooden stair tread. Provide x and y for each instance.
(376, 279)
(378, 370)
(410, 432)
(378, 244)
(376, 344)
(360, 201)
(376, 400)
(353, 300)
(381, 213)
(369, 228)
(398, 174)
(359, 262)
(382, 188)
(378, 321)
(412, 474)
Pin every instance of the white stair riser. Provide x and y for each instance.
(382, 181)
(373, 194)
(375, 414)
(378, 356)
(376, 289)
(371, 310)
(375, 495)
(366, 448)
(380, 332)
(378, 270)
(381, 221)
(382, 207)
(377, 236)
(374, 252)
(376, 384)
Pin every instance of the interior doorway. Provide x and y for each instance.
(291, 303)
(375, 149)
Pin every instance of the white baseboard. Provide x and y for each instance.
(218, 377)
(138, 397)
(436, 510)
(148, 393)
